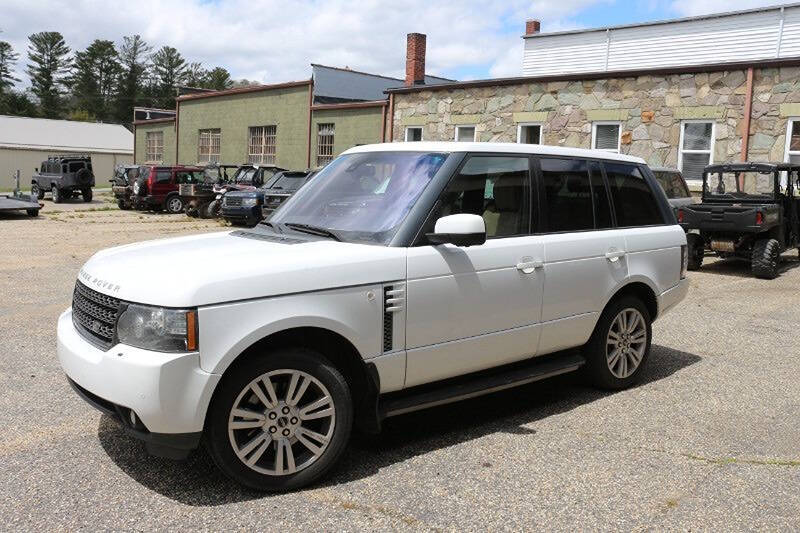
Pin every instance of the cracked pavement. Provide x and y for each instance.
(709, 440)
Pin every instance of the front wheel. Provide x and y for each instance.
(281, 421)
(58, 195)
(174, 204)
(766, 258)
(620, 345)
(37, 191)
(87, 194)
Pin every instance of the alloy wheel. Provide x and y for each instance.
(626, 343)
(282, 422)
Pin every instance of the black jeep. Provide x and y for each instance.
(748, 210)
(64, 176)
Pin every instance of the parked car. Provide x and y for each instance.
(122, 183)
(748, 210)
(158, 187)
(64, 176)
(247, 178)
(675, 187)
(197, 196)
(403, 276)
(250, 207)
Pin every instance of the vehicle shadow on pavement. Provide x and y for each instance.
(740, 268)
(197, 481)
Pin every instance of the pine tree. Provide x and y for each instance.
(48, 68)
(131, 87)
(169, 71)
(8, 58)
(219, 79)
(95, 77)
(196, 75)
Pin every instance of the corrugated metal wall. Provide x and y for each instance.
(738, 37)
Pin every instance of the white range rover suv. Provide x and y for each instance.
(402, 276)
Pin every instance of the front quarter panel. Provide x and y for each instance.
(227, 330)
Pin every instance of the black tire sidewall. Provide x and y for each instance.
(233, 382)
(595, 349)
(57, 195)
(87, 195)
(765, 261)
(695, 249)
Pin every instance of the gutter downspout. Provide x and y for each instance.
(310, 104)
(177, 128)
(391, 117)
(748, 111)
(383, 124)
(134, 146)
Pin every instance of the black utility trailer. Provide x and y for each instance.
(748, 210)
(17, 201)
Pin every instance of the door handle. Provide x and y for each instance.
(614, 255)
(529, 266)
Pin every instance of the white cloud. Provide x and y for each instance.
(705, 7)
(274, 40)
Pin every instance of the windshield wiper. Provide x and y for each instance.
(313, 230)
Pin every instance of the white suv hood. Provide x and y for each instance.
(221, 267)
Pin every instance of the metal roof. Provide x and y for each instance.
(775, 7)
(344, 83)
(64, 135)
(512, 148)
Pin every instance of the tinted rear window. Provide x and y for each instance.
(634, 202)
(567, 194)
(672, 183)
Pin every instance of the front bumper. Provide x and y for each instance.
(169, 393)
(672, 297)
(242, 214)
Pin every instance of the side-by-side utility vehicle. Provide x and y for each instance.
(401, 277)
(749, 210)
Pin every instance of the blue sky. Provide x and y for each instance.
(271, 41)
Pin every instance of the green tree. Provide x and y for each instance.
(48, 68)
(94, 79)
(8, 58)
(131, 87)
(196, 75)
(168, 72)
(218, 79)
(17, 103)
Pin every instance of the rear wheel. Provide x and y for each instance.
(87, 194)
(58, 195)
(32, 212)
(696, 250)
(766, 258)
(36, 191)
(122, 204)
(173, 204)
(280, 422)
(620, 345)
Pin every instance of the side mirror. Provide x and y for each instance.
(461, 230)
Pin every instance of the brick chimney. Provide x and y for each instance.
(415, 59)
(532, 26)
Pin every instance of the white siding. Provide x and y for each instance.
(749, 36)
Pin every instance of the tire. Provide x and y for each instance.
(173, 204)
(58, 195)
(271, 434)
(766, 258)
(696, 249)
(87, 194)
(32, 212)
(214, 209)
(608, 373)
(122, 204)
(36, 191)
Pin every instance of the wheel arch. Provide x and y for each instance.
(642, 289)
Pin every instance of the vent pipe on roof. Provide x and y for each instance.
(415, 59)
(532, 26)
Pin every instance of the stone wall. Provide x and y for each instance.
(650, 109)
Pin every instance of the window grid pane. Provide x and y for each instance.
(692, 165)
(154, 146)
(607, 137)
(325, 134)
(261, 148)
(697, 135)
(209, 143)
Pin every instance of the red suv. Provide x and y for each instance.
(157, 188)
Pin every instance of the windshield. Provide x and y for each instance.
(672, 183)
(362, 197)
(742, 185)
(244, 175)
(289, 182)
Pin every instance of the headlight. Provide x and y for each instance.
(158, 329)
(249, 201)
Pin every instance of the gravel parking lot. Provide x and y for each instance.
(709, 440)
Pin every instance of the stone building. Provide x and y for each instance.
(707, 89)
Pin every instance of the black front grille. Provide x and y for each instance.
(94, 315)
(233, 201)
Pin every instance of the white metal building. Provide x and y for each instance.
(26, 142)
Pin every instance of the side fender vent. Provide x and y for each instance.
(393, 301)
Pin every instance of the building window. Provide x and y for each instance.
(529, 133)
(696, 149)
(792, 153)
(209, 143)
(261, 148)
(154, 146)
(465, 134)
(325, 133)
(606, 136)
(413, 133)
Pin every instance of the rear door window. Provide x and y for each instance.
(567, 194)
(634, 202)
(163, 176)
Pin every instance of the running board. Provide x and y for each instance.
(478, 384)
